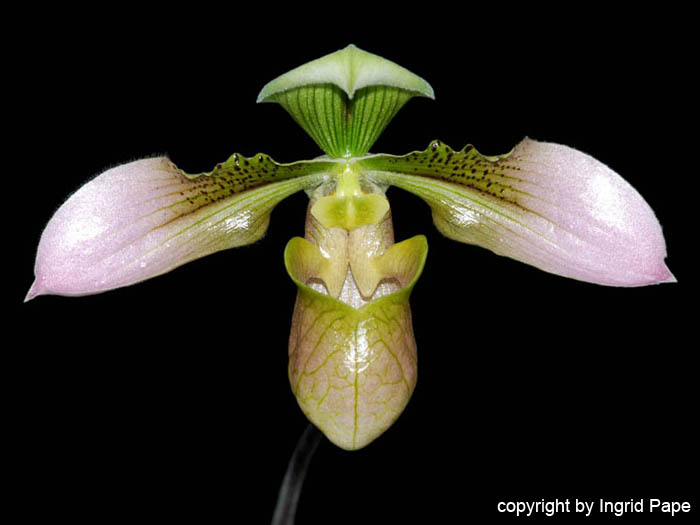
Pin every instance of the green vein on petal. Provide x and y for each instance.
(145, 218)
(544, 204)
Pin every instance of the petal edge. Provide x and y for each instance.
(147, 217)
(544, 204)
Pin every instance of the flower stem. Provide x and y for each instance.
(286, 507)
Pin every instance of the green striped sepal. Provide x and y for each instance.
(345, 100)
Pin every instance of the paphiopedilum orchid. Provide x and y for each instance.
(352, 353)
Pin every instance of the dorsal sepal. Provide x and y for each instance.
(344, 100)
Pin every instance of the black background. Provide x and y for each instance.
(170, 399)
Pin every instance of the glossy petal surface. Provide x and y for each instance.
(144, 218)
(544, 204)
(352, 354)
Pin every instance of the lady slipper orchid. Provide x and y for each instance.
(352, 353)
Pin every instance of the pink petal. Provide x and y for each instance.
(600, 228)
(544, 204)
(142, 219)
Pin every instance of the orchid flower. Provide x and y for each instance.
(352, 353)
